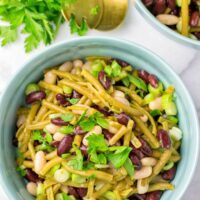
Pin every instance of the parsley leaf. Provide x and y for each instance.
(66, 129)
(75, 28)
(21, 171)
(87, 124)
(66, 197)
(40, 19)
(128, 165)
(97, 143)
(67, 117)
(119, 157)
(77, 162)
(95, 10)
(73, 100)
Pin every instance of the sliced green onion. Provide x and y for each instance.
(156, 91)
(61, 175)
(116, 69)
(168, 166)
(171, 109)
(78, 179)
(67, 90)
(172, 119)
(148, 98)
(110, 195)
(53, 170)
(108, 70)
(32, 87)
(97, 66)
(40, 189)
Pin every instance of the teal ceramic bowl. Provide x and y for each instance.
(134, 54)
(164, 29)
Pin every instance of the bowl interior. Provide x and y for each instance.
(13, 97)
(164, 29)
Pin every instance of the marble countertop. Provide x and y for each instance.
(184, 61)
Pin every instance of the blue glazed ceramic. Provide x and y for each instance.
(164, 29)
(134, 54)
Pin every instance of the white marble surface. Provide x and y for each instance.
(185, 61)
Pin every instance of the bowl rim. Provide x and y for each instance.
(164, 29)
(103, 39)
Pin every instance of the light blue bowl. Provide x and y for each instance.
(164, 29)
(134, 54)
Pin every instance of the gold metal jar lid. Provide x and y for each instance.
(110, 12)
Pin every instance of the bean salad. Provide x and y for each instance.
(98, 129)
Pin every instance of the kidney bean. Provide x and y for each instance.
(104, 111)
(36, 143)
(32, 176)
(55, 144)
(76, 95)
(138, 197)
(169, 174)
(73, 191)
(120, 62)
(171, 4)
(82, 192)
(65, 145)
(59, 122)
(194, 18)
(62, 100)
(143, 75)
(154, 195)
(153, 80)
(107, 134)
(145, 148)
(79, 131)
(147, 2)
(104, 80)
(164, 139)
(83, 149)
(136, 161)
(123, 118)
(15, 141)
(35, 96)
(197, 34)
(137, 152)
(159, 6)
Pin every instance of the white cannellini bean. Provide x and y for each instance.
(87, 65)
(32, 188)
(64, 188)
(77, 63)
(66, 67)
(51, 128)
(144, 118)
(122, 100)
(61, 175)
(142, 187)
(96, 130)
(112, 129)
(176, 133)
(148, 161)
(21, 120)
(155, 104)
(73, 71)
(168, 19)
(50, 77)
(145, 172)
(58, 136)
(118, 93)
(39, 161)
